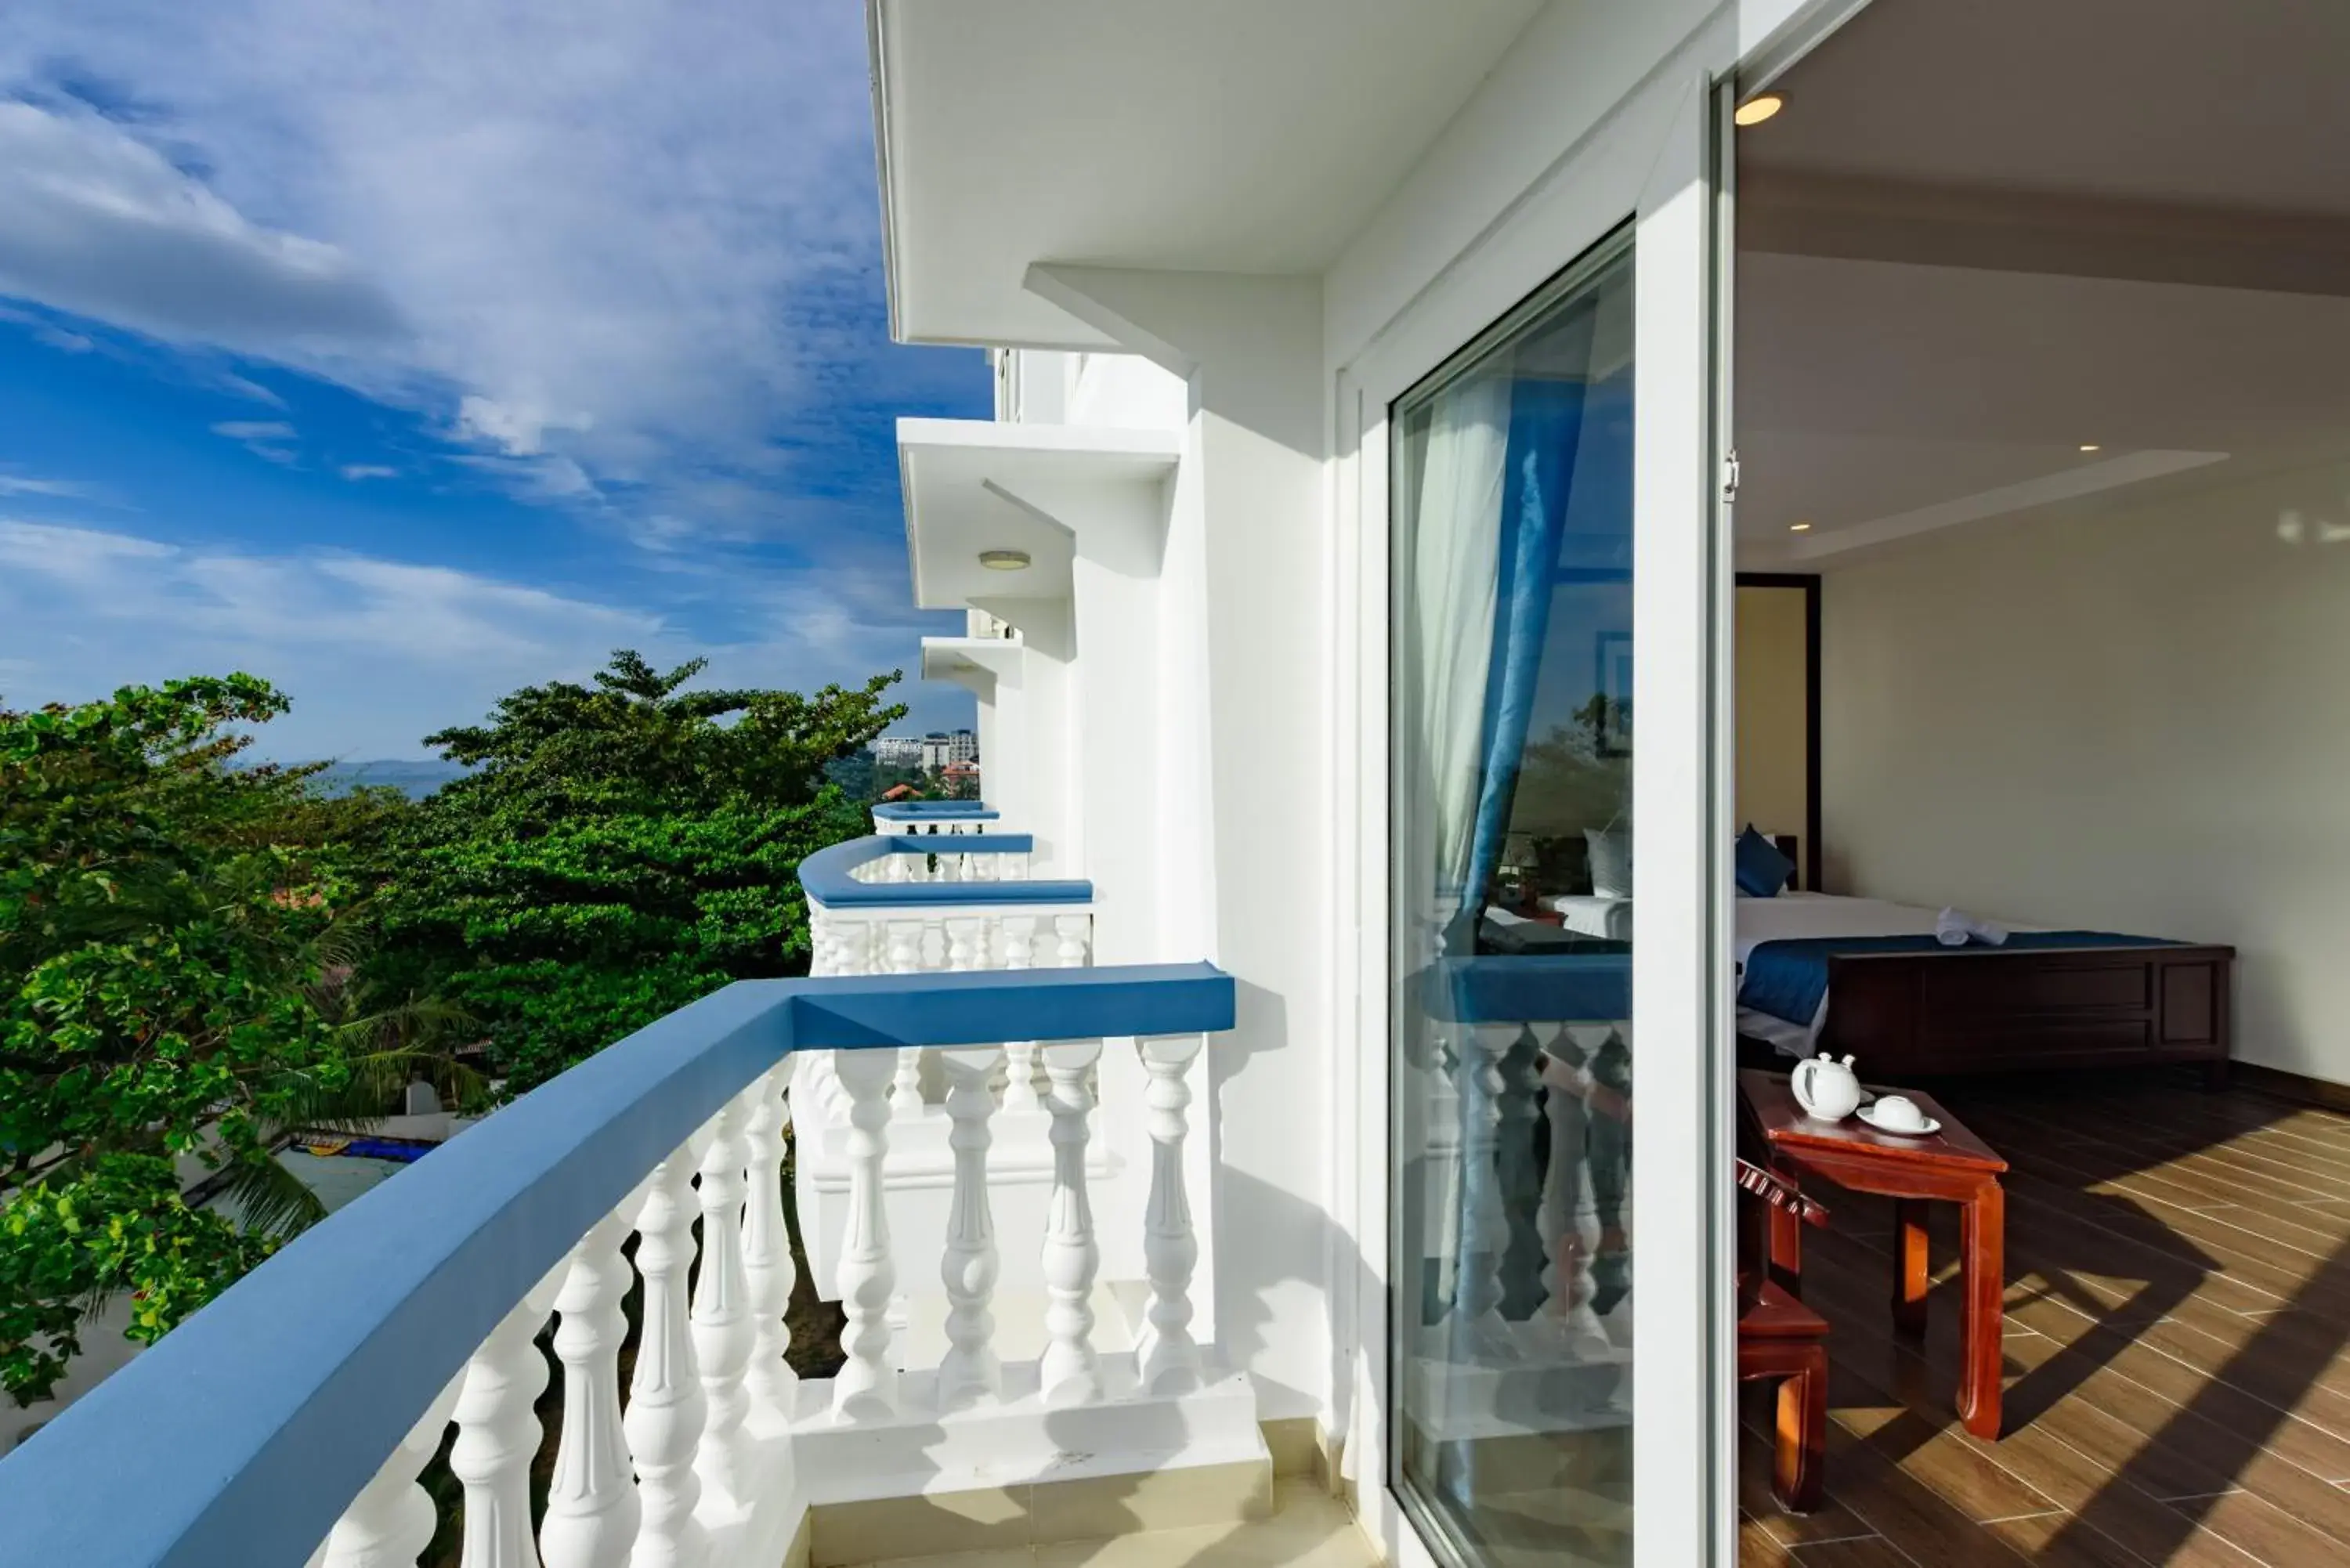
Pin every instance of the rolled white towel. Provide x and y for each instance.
(1953, 930)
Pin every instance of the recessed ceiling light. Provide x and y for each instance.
(2091, 446)
(1004, 560)
(1799, 527)
(1759, 108)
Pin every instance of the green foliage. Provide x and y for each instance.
(617, 850)
(176, 987)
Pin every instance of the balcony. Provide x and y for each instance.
(289, 1421)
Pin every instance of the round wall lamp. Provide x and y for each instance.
(1004, 560)
(1759, 108)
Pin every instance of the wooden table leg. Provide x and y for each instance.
(1910, 1266)
(1983, 1263)
(1787, 1237)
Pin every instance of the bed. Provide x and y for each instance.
(1888, 994)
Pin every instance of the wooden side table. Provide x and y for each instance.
(1951, 1166)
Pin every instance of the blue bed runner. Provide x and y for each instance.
(1788, 979)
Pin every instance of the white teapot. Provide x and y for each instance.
(1826, 1088)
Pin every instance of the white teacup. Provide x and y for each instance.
(1900, 1112)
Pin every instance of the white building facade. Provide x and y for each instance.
(1240, 273)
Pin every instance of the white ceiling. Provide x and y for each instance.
(1881, 398)
(1217, 135)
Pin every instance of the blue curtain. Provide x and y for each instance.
(1546, 429)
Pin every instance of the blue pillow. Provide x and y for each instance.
(1761, 869)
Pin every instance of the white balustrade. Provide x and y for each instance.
(1070, 1371)
(1167, 1360)
(592, 1510)
(709, 1428)
(969, 1373)
(866, 1387)
(392, 1519)
(1477, 1328)
(721, 1323)
(666, 1408)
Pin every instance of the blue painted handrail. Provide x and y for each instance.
(825, 875)
(1546, 987)
(241, 1437)
(936, 810)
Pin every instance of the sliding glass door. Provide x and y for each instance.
(1514, 877)
(1560, 1366)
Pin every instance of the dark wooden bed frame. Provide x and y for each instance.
(1987, 1010)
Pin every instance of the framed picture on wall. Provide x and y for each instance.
(1613, 679)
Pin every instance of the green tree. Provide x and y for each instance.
(177, 989)
(617, 849)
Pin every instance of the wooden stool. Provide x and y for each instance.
(1781, 1338)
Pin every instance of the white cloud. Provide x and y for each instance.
(378, 653)
(639, 237)
(356, 472)
(254, 429)
(54, 489)
(103, 226)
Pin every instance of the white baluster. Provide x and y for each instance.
(902, 952)
(1076, 934)
(592, 1511)
(665, 1404)
(866, 1387)
(1069, 1372)
(969, 1373)
(1478, 1331)
(1019, 941)
(1020, 1057)
(498, 1435)
(722, 1314)
(853, 942)
(391, 1520)
(1168, 1359)
(963, 950)
(767, 1259)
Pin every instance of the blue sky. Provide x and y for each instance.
(406, 353)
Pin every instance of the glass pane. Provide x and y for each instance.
(1513, 899)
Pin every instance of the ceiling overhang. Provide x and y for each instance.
(974, 485)
(977, 664)
(1213, 135)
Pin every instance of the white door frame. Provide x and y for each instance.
(1650, 160)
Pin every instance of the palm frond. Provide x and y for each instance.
(371, 1091)
(270, 1198)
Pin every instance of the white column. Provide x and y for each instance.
(866, 1387)
(665, 1404)
(969, 1373)
(592, 1511)
(498, 1435)
(722, 1313)
(767, 1258)
(1069, 1372)
(391, 1520)
(1168, 1359)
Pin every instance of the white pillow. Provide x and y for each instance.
(1609, 850)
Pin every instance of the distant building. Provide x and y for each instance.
(898, 751)
(938, 749)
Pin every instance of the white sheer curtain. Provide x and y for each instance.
(1455, 544)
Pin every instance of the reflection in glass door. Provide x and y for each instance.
(1513, 873)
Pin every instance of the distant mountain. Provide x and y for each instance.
(414, 779)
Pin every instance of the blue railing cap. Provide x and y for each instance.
(240, 1439)
(825, 875)
(1544, 987)
(901, 810)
